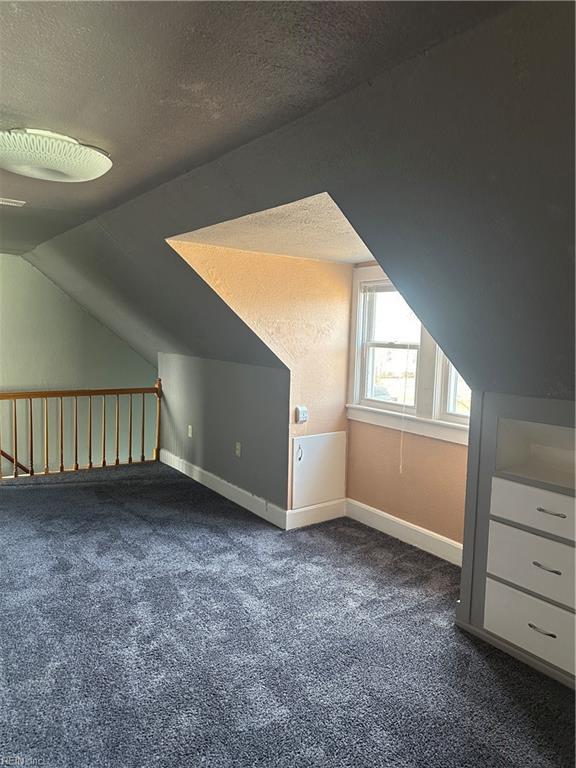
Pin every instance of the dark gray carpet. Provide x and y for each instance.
(148, 622)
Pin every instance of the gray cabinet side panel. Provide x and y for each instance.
(474, 443)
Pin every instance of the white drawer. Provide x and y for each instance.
(533, 507)
(538, 627)
(532, 562)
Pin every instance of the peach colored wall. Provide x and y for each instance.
(430, 489)
(300, 308)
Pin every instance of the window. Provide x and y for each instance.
(390, 347)
(458, 393)
(397, 368)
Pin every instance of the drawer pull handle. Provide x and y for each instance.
(542, 631)
(549, 512)
(545, 568)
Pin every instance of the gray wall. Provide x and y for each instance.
(48, 341)
(456, 168)
(228, 402)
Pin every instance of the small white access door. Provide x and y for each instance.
(318, 469)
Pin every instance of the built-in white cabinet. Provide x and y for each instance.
(536, 451)
(318, 469)
(532, 562)
(543, 630)
(518, 576)
(544, 511)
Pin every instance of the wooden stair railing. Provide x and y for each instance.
(9, 458)
(57, 442)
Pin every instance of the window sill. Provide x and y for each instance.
(407, 422)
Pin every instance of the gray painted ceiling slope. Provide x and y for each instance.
(456, 170)
(149, 297)
(167, 86)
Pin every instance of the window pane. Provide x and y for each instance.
(459, 394)
(391, 375)
(394, 321)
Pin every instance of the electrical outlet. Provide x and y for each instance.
(238, 449)
(189, 430)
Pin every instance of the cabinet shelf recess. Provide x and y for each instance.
(536, 452)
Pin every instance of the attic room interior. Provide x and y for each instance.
(287, 384)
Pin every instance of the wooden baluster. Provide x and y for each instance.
(90, 432)
(158, 404)
(117, 438)
(104, 430)
(61, 435)
(30, 411)
(76, 433)
(15, 437)
(1, 440)
(142, 456)
(31, 435)
(130, 431)
(46, 462)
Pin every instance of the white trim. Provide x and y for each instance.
(317, 513)
(407, 422)
(371, 274)
(444, 369)
(422, 538)
(256, 504)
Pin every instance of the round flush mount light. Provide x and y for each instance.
(50, 156)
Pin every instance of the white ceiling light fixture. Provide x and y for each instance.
(42, 154)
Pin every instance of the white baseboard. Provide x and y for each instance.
(256, 504)
(438, 545)
(318, 513)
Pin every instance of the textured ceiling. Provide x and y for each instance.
(164, 87)
(440, 166)
(310, 228)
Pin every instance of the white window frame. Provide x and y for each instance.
(366, 300)
(443, 374)
(429, 415)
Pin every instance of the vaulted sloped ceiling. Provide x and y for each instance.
(146, 295)
(456, 170)
(165, 86)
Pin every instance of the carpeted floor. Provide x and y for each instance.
(146, 621)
